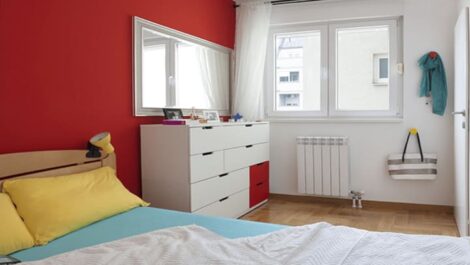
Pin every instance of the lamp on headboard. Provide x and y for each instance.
(100, 141)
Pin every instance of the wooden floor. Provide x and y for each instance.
(375, 216)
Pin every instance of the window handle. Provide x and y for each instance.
(459, 113)
(400, 68)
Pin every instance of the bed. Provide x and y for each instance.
(147, 235)
(142, 220)
(136, 221)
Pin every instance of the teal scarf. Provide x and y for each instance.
(434, 83)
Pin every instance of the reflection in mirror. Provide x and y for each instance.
(154, 74)
(173, 69)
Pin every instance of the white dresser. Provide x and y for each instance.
(219, 169)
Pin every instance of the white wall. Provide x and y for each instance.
(462, 3)
(428, 25)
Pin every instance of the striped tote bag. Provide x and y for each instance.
(420, 166)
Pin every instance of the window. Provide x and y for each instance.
(294, 76)
(297, 54)
(335, 70)
(380, 69)
(285, 77)
(289, 101)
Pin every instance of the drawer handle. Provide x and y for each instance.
(208, 153)
(223, 175)
(207, 127)
(260, 164)
(223, 199)
(259, 184)
(249, 146)
(248, 125)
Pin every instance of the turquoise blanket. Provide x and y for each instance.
(142, 220)
(434, 82)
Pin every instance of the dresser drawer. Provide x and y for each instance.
(207, 139)
(259, 173)
(246, 156)
(247, 134)
(259, 192)
(232, 206)
(211, 190)
(206, 165)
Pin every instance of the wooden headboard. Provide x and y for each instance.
(50, 163)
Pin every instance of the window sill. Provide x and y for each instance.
(335, 120)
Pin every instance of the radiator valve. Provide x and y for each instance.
(356, 198)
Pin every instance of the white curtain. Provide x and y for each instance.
(252, 28)
(215, 76)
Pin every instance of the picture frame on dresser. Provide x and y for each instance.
(211, 115)
(173, 114)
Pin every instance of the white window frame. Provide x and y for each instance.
(393, 78)
(271, 71)
(329, 110)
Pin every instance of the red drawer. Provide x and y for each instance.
(259, 173)
(259, 183)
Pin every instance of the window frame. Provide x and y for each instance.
(271, 79)
(393, 77)
(329, 109)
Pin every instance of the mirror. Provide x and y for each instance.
(176, 70)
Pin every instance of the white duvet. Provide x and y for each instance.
(319, 243)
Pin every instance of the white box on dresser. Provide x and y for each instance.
(206, 169)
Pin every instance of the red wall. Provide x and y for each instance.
(66, 70)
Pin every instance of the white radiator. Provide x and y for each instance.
(323, 166)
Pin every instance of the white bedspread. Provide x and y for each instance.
(319, 243)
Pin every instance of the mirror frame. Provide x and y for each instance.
(138, 25)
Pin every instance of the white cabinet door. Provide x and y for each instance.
(212, 190)
(461, 123)
(232, 206)
(206, 165)
(207, 139)
(246, 156)
(246, 134)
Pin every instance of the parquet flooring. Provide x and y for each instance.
(375, 216)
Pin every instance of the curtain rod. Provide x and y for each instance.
(283, 2)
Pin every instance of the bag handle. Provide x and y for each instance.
(413, 131)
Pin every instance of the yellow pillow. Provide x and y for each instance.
(14, 235)
(54, 206)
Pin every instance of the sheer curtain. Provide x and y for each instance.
(252, 28)
(215, 76)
